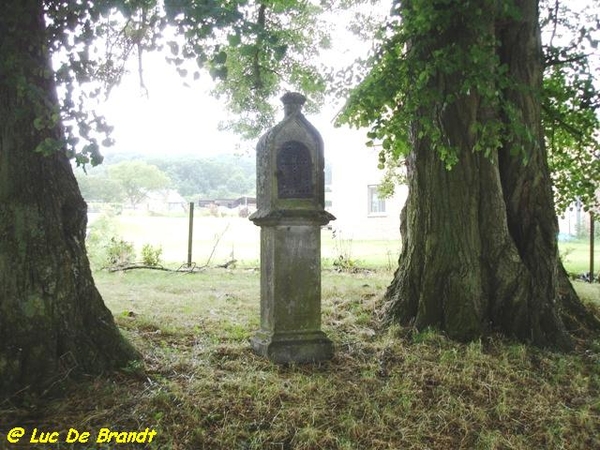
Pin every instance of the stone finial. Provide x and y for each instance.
(292, 102)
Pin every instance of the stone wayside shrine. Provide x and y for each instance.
(290, 211)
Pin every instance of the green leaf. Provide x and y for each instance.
(220, 58)
(248, 50)
(219, 73)
(280, 52)
(38, 123)
(234, 40)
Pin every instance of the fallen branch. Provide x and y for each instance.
(183, 268)
(227, 264)
(188, 268)
(138, 266)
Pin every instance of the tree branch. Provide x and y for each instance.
(558, 62)
(573, 131)
(139, 54)
(555, 19)
(256, 68)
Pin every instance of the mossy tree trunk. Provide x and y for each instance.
(479, 250)
(53, 322)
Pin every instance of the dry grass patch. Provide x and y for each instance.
(202, 388)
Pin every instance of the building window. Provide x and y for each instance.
(376, 203)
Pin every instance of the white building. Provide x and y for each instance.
(361, 212)
(164, 201)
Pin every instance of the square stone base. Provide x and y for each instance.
(285, 348)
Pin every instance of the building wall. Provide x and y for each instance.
(164, 201)
(353, 174)
(354, 169)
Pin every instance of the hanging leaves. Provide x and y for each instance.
(90, 43)
(571, 101)
(400, 95)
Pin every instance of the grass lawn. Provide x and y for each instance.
(576, 256)
(225, 238)
(229, 238)
(386, 388)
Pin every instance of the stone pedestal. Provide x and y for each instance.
(290, 212)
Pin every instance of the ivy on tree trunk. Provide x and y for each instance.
(479, 251)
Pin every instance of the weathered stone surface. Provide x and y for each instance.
(290, 201)
(283, 348)
(293, 131)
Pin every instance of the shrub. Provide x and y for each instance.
(98, 240)
(151, 255)
(120, 252)
(343, 247)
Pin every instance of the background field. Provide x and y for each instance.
(576, 256)
(239, 239)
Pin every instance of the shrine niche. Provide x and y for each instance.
(294, 171)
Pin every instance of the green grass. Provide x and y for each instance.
(589, 292)
(229, 238)
(238, 238)
(386, 388)
(576, 256)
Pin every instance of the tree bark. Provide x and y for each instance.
(53, 322)
(479, 242)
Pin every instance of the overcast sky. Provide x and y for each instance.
(172, 118)
(175, 119)
(179, 119)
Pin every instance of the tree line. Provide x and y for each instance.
(126, 179)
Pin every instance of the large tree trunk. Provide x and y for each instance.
(527, 187)
(479, 248)
(53, 322)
